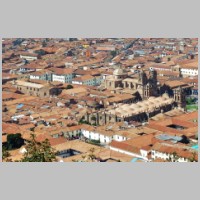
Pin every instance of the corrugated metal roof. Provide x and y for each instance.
(168, 137)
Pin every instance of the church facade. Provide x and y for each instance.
(140, 111)
(154, 98)
(143, 83)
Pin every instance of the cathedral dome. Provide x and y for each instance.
(118, 72)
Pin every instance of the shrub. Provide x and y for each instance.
(14, 141)
(69, 87)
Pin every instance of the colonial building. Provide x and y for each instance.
(41, 75)
(179, 97)
(145, 85)
(63, 75)
(173, 153)
(177, 90)
(140, 111)
(35, 89)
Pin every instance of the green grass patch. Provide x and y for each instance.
(192, 107)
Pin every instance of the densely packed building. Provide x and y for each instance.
(117, 99)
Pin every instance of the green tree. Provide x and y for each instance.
(14, 141)
(5, 153)
(190, 101)
(69, 87)
(91, 155)
(39, 151)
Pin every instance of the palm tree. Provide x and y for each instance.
(83, 156)
(91, 155)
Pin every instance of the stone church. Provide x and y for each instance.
(154, 98)
(140, 111)
(144, 83)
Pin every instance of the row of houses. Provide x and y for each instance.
(67, 76)
(90, 132)
(146, 147)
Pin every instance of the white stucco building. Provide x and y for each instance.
(167, 156)
(172, 152)
(60, 78)
(29, 57)
(63, 75)
(189, 71)
(105, 137)
(143, 154)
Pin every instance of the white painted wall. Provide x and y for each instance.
(119, 138)
(189, 72)
(162, 69)
(77, 82)
(28, 57)
(128, 153)
(34, 77)
(59, 78)
(144, 153)
(96, 136)
(164, 156)
(90, 134)
(105, 139)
